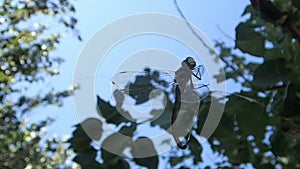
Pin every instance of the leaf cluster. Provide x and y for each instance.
(26, 43)
(262, 131)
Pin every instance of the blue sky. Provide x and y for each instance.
(208, 16)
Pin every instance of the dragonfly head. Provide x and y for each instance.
(190, 62)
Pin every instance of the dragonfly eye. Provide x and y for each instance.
(190, 62)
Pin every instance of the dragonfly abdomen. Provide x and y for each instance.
(177, 105)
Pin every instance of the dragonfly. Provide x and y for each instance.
(141, 84)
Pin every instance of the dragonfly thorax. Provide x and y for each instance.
(183, 74)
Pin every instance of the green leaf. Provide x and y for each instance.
(225, 127)
(80, 141)
(89, 129)
(3, 77)
(279, 144)
(250, 116)
(175, 160)
(249, 41)
(203, 126)
(142, 86)
(111, 160)
(291, 104)
(295, 64)
(121, 163)
(247, 10)
(144, 153)
(93, 128)
(163, 119)
(202, 116)
(273, 53)
(128, 130)
(220, 78)
(296, 3)
(111, 114)
(270, 73)
(253, 121)
(196, 149)
(244, 152)
(86, 158)
(266, 166)
(114, 145)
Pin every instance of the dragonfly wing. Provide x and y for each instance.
(121, 79)
(139, 85)
(199, 71)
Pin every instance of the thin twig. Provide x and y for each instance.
(192, 29)
(224, 33)
(276, 87)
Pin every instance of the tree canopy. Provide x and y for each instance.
(26, 43)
